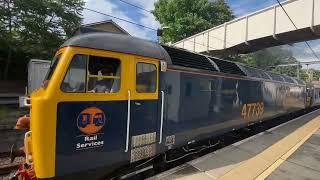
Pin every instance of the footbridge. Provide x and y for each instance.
(262, 29)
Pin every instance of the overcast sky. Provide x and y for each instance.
(125, 11)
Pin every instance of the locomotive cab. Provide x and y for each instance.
(96, 109)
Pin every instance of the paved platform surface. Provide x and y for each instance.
(288, 151)
(304, 163)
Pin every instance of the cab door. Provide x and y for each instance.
(144, 110)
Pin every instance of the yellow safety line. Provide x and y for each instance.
(263, 164)
(283, 158)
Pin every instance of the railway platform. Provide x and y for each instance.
(288, 151)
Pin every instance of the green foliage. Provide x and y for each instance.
(269, 58)
(290, 70)
(310, 75)
(316, 74)
(34, 29)
(187, 17)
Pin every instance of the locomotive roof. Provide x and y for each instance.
(119, 43)
(182, 57)
(172, 55)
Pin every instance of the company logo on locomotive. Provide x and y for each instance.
(91, 120)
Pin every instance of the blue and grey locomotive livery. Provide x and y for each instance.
(112, 101)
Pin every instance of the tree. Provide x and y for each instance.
(35, 28)
(316, 74)
(8, 25)
(310, 75)
(270, 57)
(184, 18)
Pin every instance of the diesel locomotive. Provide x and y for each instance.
(110, 100)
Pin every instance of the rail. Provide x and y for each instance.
(128, 121)
(161, 118)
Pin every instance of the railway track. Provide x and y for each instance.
(4, 155)
(8, 169)
(9, 137)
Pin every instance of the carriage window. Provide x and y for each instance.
(103, 75)
(75, 79)
(146, 78)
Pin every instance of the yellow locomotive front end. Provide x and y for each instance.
(39, 143)
(80, 117)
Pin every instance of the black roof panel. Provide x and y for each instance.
(188, 59)
(119, 43)
(301, 82)
(275, 76)
(254, 72)
(228, 67)
(288, 79)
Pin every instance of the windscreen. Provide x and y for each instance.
(53, 66)
(92, 74)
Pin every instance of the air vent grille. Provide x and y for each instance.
(228, 67)
(264, 75)
(301, 82)
(253, 72)
(188, 59)
(275, 76)
(288, 79)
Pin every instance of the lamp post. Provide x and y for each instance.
(298, 71)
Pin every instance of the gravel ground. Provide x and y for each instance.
(7, 177)
(9, 115)
(4, 162)
(9, 137)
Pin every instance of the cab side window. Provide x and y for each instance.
(146, 78)
(75, 79)
(103, 75)
(92, 74)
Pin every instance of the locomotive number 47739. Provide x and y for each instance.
(251, 110)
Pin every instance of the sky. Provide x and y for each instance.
(122, 10)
